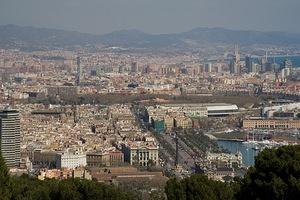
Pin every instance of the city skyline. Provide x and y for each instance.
(137, 99)
(100, 17)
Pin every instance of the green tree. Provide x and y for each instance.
(174, 189)
(30, 188)
(198, 187)
(276, 175)
(4, 180)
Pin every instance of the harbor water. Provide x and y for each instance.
(247, 151)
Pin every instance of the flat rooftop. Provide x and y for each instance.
(197, 104)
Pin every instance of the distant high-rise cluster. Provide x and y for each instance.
(259, 65)
(10, 137)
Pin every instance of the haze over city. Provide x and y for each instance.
(149, 99)
(152, 16)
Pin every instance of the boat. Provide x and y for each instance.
(256, 148)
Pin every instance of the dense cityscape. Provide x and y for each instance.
(211, 120)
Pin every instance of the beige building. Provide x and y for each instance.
(271, 123)
(169, 122)
(64, 174)
(183, 122)
(102, 159)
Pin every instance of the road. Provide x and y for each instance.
(185, 154)
(168, 147)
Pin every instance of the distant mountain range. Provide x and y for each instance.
(12, 36)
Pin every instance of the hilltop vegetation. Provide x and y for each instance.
(26, 188)
(276, 175)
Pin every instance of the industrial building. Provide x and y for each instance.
(203, 110)
(221, 109)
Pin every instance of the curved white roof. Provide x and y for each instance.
(222, 107)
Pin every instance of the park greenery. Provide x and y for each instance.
(275, 175)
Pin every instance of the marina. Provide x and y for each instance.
(249, 149)
(237, 146)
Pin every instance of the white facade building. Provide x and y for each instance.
(70, 160)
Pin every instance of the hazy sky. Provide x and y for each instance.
(152, 16)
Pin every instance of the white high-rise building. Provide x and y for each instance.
(10, 137)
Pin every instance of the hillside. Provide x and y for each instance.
(12, 36)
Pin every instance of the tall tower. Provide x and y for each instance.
(78, 75)
(250, 66)
(237, 54)
(10, 137)
(235, 63)
(134, 67)
(208, 67)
